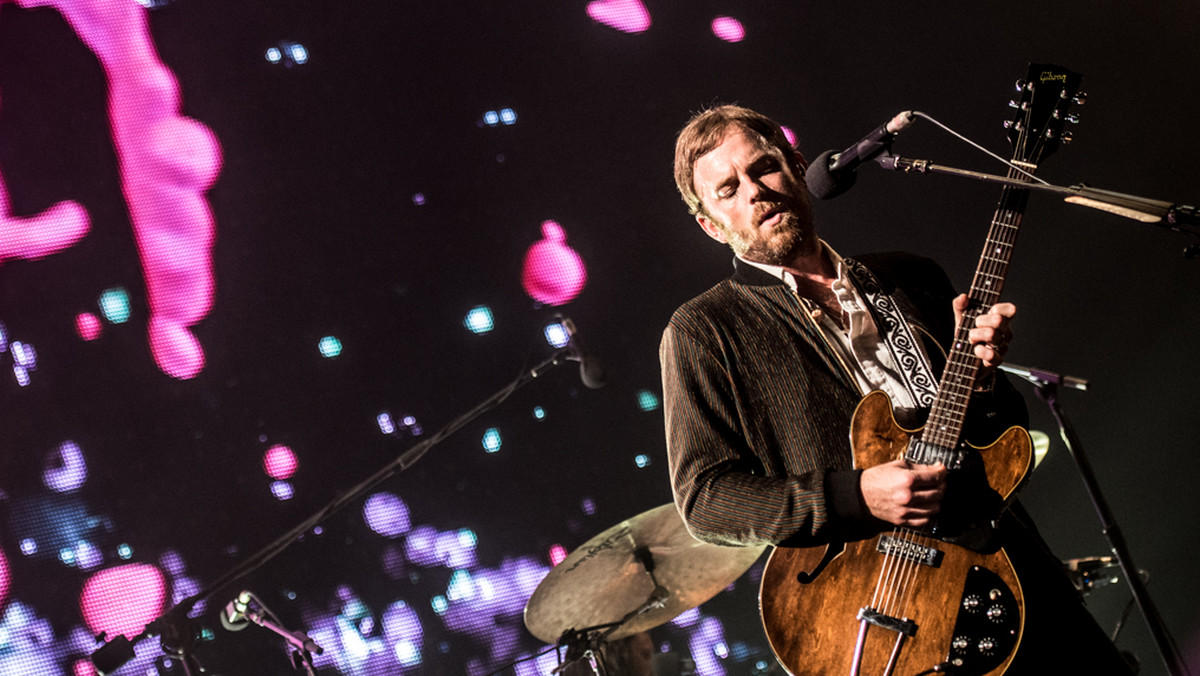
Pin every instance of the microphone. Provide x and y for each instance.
(235, 617)
(240, 612)
(1041, 377)
(832, 174)
(591, 371)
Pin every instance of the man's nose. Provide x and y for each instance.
(757, 191)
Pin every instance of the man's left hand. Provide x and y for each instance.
(992, 333)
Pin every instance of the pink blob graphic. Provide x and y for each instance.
(628, 16)
(728, 29)
(5, 578)
(280, 462)
(87, 325)
(49, 232)
(46, 233)
(123, 600)
(167, 163)
(557, 554)
(83, 668)
(553, 273)
(789, 135)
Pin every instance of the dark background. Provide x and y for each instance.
(318, 234)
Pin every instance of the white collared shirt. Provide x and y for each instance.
(861, 346)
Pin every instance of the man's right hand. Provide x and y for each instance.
(902, 493)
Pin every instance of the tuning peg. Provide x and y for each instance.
(1072, 118)
(1013, 104)
(1080, 98)
(1008, 124)
(1020, 85)
(1067, 137)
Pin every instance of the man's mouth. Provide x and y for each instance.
(770, 216)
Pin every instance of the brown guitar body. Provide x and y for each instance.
(814, 626)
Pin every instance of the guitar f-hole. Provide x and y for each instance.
(832, 551)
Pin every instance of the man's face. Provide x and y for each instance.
(753, 200)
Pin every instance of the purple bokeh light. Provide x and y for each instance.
(66, 469)
(387, 515)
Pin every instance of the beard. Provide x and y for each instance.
(779, 246)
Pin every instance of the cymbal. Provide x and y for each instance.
(606, 579)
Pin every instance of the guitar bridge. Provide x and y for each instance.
(908, 550)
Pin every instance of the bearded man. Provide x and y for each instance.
(762, 374)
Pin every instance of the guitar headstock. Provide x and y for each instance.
(1046, 94)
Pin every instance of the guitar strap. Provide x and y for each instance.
(905, 348)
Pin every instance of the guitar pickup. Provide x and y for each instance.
(925, 453)
(909, 551)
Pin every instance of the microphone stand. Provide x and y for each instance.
(119, 650)
(1046, 385)
(1170, 215)
(302, 645)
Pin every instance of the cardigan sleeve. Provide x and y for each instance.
(720, 486)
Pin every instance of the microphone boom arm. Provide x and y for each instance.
(1170, 215)
(117, 651)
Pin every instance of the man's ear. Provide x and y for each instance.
(800, 161)
(711, 228)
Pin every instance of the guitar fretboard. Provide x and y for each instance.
(948, 413)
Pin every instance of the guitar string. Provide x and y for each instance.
(897, 572)
(910, 581)
(877, 599)
(1006, 226)
(1003, 232)
(900, 602)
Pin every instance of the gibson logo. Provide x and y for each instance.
(1047, 76)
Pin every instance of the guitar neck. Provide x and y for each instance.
(949, 410)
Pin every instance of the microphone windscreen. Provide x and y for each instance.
(592, 373)
(232, 619)
(824, 184)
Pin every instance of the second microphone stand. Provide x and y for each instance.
(1046, 386)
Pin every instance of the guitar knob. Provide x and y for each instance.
(987, 645)
(971, 603)
(960, 643)
(996, 613)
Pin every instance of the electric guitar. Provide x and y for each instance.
(945, 599)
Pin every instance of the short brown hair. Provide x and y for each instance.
(706, 130)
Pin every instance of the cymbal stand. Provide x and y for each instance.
(587, 643)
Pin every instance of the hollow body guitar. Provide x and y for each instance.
(947, 600)
(904, 601)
